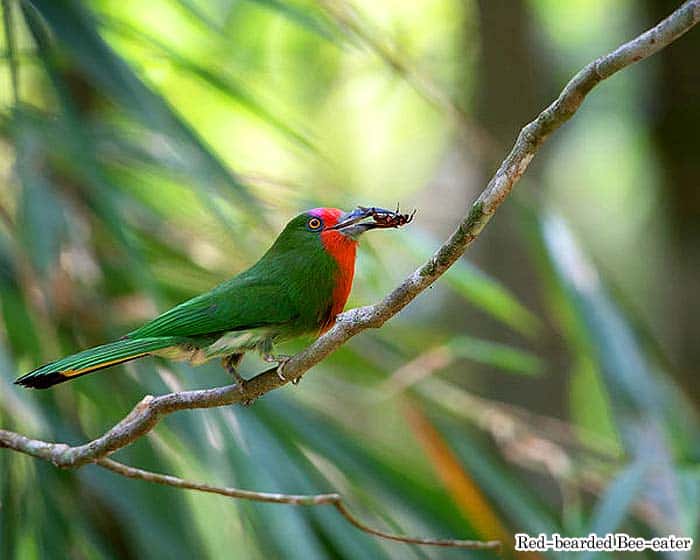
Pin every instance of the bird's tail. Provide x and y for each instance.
(94, 359)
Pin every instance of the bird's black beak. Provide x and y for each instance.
(351, 224)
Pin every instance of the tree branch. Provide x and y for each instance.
(332, 499)
(146, 415)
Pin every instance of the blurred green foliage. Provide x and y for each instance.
(148, 150)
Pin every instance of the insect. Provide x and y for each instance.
(384, 218)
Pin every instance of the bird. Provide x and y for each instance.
(298, 287)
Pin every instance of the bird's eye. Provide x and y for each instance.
(314, 224)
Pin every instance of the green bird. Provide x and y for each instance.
(298, 287)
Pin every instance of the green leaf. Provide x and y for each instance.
(77, 149)
(638, 389)
(377, 480)
(495, 354)
(199, 14)
(612, 508)
(22, 334)
(10, 44)
(305, 18)
(651, 413)
(282, 530)
(76, 30)
(590, 403)
(216, 79)
(526, 512)
(40, 218)
(484, 292)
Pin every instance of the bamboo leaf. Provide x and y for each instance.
(613, 506)
(216, 79)
(460, 484)
(304, 17)
(76, 30)
(502, 356)
(484, 292)
(526, 512)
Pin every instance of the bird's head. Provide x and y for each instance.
(336, 231)
(329, 223)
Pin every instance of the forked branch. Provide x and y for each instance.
(332, 499)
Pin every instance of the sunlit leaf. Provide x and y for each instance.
(216, 79)
(76, 30)
(300, 15)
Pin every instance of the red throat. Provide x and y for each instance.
(343, 250)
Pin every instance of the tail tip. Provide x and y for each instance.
(42, 381)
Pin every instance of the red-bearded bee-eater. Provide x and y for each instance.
(298, 287)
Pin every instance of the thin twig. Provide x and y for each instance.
(332, 499)
(146, 415)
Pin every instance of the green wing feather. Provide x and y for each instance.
(239, 304)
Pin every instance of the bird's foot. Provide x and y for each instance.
(230, 363)
(237, 377)
(281, 360)
(278, 358)
(242, 386)
(280, 373)
(248, 401)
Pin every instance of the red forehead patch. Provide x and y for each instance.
(330, 216)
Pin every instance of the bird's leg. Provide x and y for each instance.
(230, 364)
(280, 360)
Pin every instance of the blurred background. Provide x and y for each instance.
(547, 383)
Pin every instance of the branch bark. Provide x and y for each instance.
(146, 415)
(332, 499)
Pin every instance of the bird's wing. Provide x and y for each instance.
(235, 305)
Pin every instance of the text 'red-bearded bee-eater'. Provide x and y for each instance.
(298, 287)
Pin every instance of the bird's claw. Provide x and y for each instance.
(242, 386)
(282, 377)
(247, 402)
(281, 360)
(230, 363)
(280, 368)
